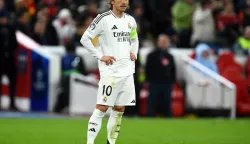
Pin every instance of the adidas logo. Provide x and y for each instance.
(133, 101)
(114, 27)
(92, 129)
(95, 124)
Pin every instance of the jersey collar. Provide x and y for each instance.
(116, 16)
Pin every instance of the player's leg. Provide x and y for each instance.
(95, 122)
(125, 97)
(114, 123)
(106, 96)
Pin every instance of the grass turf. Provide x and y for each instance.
(133, 131)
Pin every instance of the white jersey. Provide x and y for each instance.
(114, 35)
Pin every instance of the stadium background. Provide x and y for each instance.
(38, 65)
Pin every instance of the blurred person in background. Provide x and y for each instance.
(203, 23)
(203, 56)
(72, 6)
(64, 26)
(70, 3)
(88, 10)
(246, 3)
(48, 1)
(10, 5)
(221, 4)
(228, 25)
(137, 11)
(158, 13)
(22, 21)
(3, 10)
(182, 13)
(242, 45)
(19, 4)
(51, 6)
(38, 32)
(102, 6)
(238, 5)
(29, 5)
(246, 16)
(161, 75)
(8, 46)
(80, 29)
(71, 63)
(82, 24)
(43, 31)
(92, 9)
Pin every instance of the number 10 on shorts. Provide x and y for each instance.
(106, 90)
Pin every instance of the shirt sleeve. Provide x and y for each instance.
(134, 39)
(95, 29)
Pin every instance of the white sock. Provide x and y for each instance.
(94, 126)
(114, 125)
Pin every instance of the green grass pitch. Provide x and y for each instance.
(133, 131)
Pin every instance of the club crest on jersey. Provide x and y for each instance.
(105, 98)
(129, 26)
(92, 26)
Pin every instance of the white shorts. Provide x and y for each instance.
(116, 91)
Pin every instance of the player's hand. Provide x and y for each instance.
(132, 56)
(108, 60)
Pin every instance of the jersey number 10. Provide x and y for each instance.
(107, 90)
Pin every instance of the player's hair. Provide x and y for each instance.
(111, 5)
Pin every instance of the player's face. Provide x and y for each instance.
(120, 5)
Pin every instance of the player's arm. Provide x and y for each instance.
(95, 29)
(134, 42)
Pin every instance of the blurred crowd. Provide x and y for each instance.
(218, 23)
